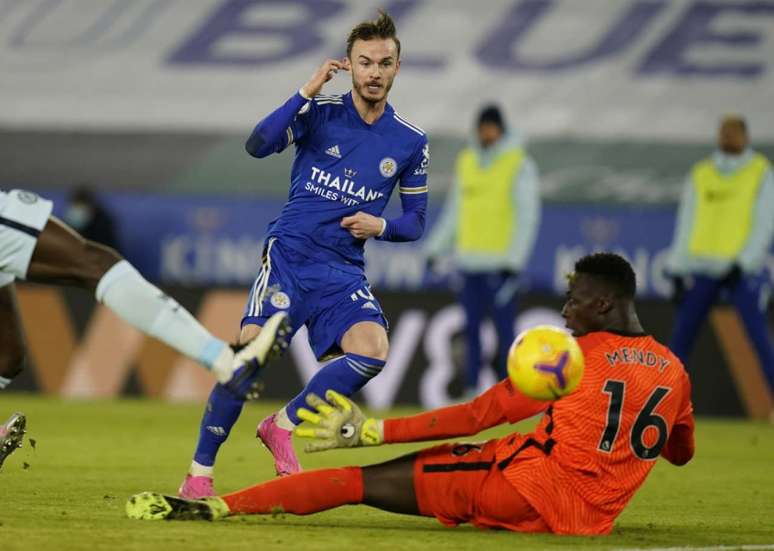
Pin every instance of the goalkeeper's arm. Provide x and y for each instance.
(341, 424)
(500, 404)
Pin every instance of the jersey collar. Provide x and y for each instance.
(388, 112)
(625, 333)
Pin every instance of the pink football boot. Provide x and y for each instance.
(196, 487)
(280, 443)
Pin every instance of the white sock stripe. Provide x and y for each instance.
(363, 369)
(359, 371)
(367, 367)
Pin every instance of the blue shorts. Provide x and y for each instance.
(327, 300)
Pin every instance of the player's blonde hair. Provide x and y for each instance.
(383, 27)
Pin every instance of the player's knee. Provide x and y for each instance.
(366, 339)
(376, 347)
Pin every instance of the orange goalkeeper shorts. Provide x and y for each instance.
(458, 483)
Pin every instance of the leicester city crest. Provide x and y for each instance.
(388, 167)
(280, 300)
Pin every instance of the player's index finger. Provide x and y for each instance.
(304, 432)
(308, 416)
(339, 400)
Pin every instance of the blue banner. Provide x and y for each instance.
(180, 240)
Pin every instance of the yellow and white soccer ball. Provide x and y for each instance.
(545, 363)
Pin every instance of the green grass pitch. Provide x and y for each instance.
(69, 492)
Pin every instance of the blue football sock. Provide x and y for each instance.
(346, 375)
(222, 411)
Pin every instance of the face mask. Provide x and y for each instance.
(78, 215)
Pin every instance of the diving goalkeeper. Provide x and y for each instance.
(574, 474)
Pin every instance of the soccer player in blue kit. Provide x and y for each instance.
(352, 150)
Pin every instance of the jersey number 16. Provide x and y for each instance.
(645, 418)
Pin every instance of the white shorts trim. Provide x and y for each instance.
(23, 215)
(262, 282)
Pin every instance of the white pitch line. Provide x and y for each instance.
(762, 547)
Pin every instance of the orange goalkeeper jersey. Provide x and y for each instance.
(594, 448)
(591, 450)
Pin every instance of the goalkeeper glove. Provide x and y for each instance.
(338, 423)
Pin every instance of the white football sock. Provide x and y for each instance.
(144, 306)
(283, 421)
(197, 469)
(4, 382)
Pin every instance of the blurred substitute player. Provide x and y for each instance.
(574, 474)
(489, 223)
(724, 231)
(38, 247)
(352, 150)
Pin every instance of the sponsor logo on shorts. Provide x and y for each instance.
(364, 293)
(28, 197)
(388, 167)
(280, 300)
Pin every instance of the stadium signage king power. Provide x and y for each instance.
(217, 241)
(78, 350)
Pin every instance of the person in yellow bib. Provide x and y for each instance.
(722, 241)
(488, 224)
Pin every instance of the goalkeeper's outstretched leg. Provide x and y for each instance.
(388, 486)
(455, 483)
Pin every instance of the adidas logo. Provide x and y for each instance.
(333, 151)
(217, 431)
(369, 306)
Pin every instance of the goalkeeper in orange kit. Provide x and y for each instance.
(574, 474)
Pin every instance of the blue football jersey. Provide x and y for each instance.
(343, 165)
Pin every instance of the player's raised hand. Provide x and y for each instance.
(338, 423)
(324, 73)
(363, 225)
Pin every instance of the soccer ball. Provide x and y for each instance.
(545, 363)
